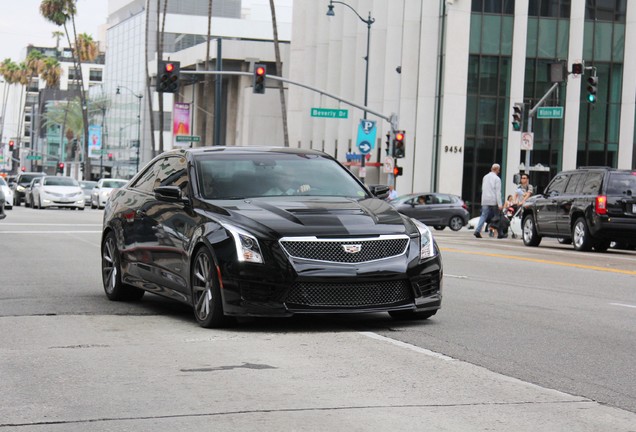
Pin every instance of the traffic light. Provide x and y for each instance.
(11, 145)
(110, 156)
(398, 144)
(168, 76)
(592, 85)
(388, 143)
(577, 68)
(260, 73)
(397, 171)
(60, 167)
(517, 116)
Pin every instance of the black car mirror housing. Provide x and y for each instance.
(379, 191)
(168, 193)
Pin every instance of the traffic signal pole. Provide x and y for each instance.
(531, 114)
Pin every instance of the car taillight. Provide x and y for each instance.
(600, 206)
(464, 206)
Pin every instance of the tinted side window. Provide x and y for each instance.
(573, 184)
(146, 182)
(557, 185)
(171, 171)
(621, 184)
(592, 183)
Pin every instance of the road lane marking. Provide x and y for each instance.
(623, 305)
(455, 276)
(541, 261)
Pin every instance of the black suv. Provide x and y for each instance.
(589, 207)
(21, 183)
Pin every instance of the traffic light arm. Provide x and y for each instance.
(392, 118)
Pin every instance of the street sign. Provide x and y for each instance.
(34, 157)
(366, 135)
(550, 112)
(330, 113)
(188, 138)
(101, 151)
(527, 140)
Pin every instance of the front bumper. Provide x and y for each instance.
(59, 202)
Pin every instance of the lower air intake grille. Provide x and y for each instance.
(349, 294)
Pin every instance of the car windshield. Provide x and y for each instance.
(114, 184)
(26, 179)
(59, 181)
(234, 176)
(622, 183)
(86, 185)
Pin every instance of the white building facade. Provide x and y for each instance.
(452, 70)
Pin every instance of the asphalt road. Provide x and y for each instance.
(528, 339)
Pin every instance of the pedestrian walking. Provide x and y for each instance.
(491, 203)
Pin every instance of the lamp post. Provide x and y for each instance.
(138, 96)
(368, 22)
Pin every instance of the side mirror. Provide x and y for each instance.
(379, 191)
(168, 193)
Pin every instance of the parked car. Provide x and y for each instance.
(57, 191)
(590, 207)
(28, 192)
(102, 190)
(438, 210)
(87, 187)
(208, 227)
(8, 194)
(22, 181)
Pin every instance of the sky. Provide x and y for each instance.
(23, 25)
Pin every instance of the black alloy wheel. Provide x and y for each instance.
(581, 238)
(206, 294)
(530, 235)
(455, 223)
(115, 289)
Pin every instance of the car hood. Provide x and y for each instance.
(66, 190)
(316, 216)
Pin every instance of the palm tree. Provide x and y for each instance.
(57, 35)
(51, 72)
(7, 68)
(87, 48)
(279, 69)
(60, 12)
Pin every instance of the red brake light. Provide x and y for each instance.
(600, 206)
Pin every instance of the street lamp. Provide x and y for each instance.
(368, 22)
(138, 96)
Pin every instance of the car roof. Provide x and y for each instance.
(244, 150)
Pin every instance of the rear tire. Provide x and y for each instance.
(439, 227)
(581, 237)
(529, 234)
(456, 223)
(114, 288)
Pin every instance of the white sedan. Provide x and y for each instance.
(57, 191)
(102, 190)
(8, 194)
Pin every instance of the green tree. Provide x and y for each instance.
(51, 72)
(61, 12)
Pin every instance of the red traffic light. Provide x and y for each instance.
(399, 136)
(169, 67)
(60, 165)
(260, 71)
(11, 145)
(23, 169)
(397, 171)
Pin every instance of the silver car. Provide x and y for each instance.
(57, 191)
(102, 191)
(8, 194)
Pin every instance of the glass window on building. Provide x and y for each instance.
(606, 10)
(95, 74)
(506, 7)
(549, 8)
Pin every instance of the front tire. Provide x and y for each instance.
(456, 223)
(530, 235)
(114, 288)
(439, 227)
(206, 293)
(581, 237)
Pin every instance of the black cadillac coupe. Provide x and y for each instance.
(253, 231)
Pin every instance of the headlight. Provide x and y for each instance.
(427, 245)
(20, 188)
(105, 194)
(247, 248)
